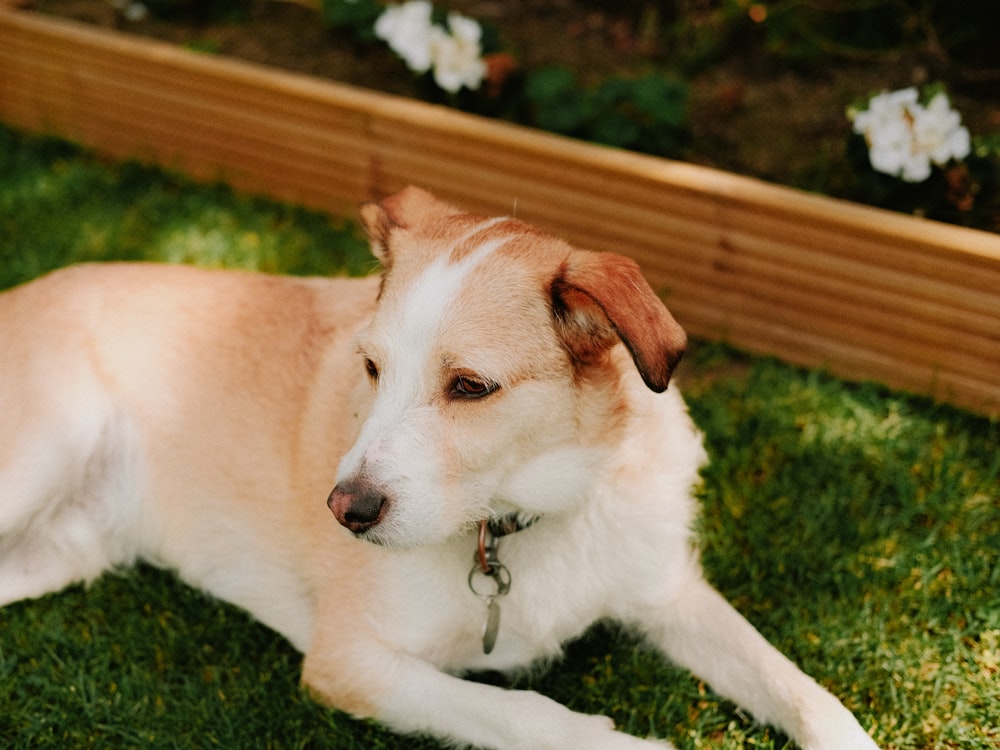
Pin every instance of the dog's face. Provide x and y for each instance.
(492, 358)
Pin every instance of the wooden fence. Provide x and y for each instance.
(866, 293)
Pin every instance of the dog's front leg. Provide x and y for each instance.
(413, 697)
(703, 633)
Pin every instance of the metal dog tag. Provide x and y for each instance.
(491, 627)
(489, 573)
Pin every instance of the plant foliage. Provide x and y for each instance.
(644, 114)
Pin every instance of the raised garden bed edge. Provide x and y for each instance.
(866, 293)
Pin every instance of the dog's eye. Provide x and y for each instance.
(372, 369)
(467, 386)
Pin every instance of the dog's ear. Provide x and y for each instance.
(407, 209)
(377, 223)
(599, 298)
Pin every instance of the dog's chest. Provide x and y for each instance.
(441, 608)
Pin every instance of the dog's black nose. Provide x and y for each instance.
(356, 508)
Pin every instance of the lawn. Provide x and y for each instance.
(858, 528)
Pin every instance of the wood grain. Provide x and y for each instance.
(866, 293)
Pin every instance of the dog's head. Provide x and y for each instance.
(497, 355)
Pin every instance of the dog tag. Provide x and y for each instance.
(492, 625)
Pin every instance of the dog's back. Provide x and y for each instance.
(135, 395)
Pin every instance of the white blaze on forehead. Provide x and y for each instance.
(413, 333)
(426, 302)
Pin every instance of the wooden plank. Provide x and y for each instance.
(192, 124)
(913, 344)
(858, 362)
(866, 293)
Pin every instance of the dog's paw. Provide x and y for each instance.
(646, 744)
(599, 733)
(853, 741)
(628, 742)
(840, 731)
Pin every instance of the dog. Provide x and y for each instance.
(492, 414)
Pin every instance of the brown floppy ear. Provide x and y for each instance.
(599, 298)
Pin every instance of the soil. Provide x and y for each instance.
(751, 111)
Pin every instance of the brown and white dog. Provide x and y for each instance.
(494, 420)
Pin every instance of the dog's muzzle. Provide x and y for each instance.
(357, 507)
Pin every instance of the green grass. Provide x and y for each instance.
(859, 529)
(60, 206)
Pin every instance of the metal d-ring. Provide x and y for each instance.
(498, 572)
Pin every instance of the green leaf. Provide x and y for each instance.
(663, 99)
(359, 16)
(615, 129)
(547, 84)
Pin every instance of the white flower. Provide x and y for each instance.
(457, 56)
(408, 31)
(938, 132)
(890, 150)
(904, 137)
(454, 54)
(884, 110)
